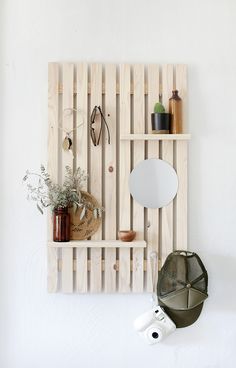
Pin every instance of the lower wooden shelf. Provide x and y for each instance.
(98, 244)
(97, 266)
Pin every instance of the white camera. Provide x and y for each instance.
(154, 325)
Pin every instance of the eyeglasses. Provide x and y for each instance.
(92, 130)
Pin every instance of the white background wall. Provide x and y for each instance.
(46, 331)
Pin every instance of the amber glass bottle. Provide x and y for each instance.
(175, 109)
(61, 225)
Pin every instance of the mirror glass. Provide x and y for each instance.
(153, 183)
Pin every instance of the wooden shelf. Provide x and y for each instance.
(98, 244)
(155, 137)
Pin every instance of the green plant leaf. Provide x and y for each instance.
(159, 108)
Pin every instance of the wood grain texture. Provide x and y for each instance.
(138, 156)
(168, 155)
(153, 152)
(124, 166)
(81, 270)
(82, 112)
(53, 121)
(52, 279)
(167, 211)
(181, 217)
(67, 114)
(96, 175)
(110, 177)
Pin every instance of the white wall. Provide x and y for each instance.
(46, 331)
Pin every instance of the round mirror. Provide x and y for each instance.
(153, 183)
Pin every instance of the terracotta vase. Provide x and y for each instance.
(61, 225)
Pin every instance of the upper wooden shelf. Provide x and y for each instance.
(155, 137)
(98, 244)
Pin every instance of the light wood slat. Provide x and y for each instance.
(110, 270)
(82, 117)
(167, 84)
(96, 270)
(96, 176)
(167, 211)
(53, 108)
(124, 165)
(67, 114)
(52, 270)
(52, 167)
(81, 270)
(124, 270)
(98, 243)
(67, 270)
(153, 152)
(181, 86)
(181, 219)
(155, 137)
(110, 176)
(138, 156)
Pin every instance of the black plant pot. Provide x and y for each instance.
(160, 122)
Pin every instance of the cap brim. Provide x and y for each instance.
(183, 318)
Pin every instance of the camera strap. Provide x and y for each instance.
(154, 273)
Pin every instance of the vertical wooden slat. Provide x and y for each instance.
(52, 269)
(167, 211)
(138, 156)
(124, 165)
(96, 177)
(67, 270)
(82, 112)
(53, 116)
(181, 219)
(110, 177)
(81, 270)
(167, 155)
(67, 112)
(53, 111)
(181, 86)
(153, 152)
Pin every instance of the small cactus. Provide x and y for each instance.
(159, 108)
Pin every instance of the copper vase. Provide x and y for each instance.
(61, 225)
(175, 109)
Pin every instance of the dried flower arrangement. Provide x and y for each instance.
(45, 193)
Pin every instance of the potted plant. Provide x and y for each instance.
(160, 120)
(60, 198)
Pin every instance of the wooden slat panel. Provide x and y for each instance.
(181, 86)
(138, 156)
(81, 270)
(53, 116)
(153, 152)
(52, 270)
(67, 270)
(96, 176)
(67, 113)
(82, 112)
(181, 219)
(167, 155)
(124, 164)
(110, 176)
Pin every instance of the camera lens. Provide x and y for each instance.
(155, 335)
